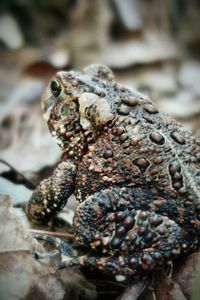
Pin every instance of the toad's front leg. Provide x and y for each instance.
(52, 193)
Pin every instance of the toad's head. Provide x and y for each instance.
(76, 106)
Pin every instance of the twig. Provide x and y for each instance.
(21, 178)
(69, 236)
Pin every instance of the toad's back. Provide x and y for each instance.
(141, 147)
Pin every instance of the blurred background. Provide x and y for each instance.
(151, 45)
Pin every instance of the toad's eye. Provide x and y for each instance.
(56, 88)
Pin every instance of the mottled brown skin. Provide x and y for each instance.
(135, 172)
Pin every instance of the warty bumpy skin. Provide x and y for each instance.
(134, 171)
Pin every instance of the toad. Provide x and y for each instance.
(134, 171)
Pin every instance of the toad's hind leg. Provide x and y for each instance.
(126, 240)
